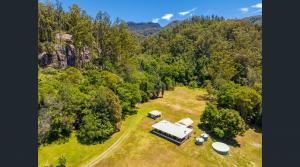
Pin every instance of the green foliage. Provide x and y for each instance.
(193, 84)
(209, 87)
(46, 22)
(60, 127)
(63, 102)
(102, 119)
(224, 123)
(243, 99)
(80, 26)
(129, 95)
(71, 75)
(62, 161)
(170, 84)
(107, 104)
(224, 56)
(104, 78)
(94, 130)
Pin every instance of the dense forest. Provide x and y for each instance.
(93, 71)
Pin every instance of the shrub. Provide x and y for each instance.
(247, 101)
(94, 129)
(62, 161)
(170, 84)
(103, 117)
(224, 123)
(193, 84)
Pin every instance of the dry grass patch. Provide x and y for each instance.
(142, 148)
(145, 149)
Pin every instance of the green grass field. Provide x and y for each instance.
(142, 148)
(145, 149)
(78, 154)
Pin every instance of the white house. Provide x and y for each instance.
(174, 132)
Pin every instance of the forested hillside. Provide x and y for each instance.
(93, 71)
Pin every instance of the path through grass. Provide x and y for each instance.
(142, 148)
(78, 154)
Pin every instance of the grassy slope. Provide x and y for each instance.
(78, 154)
(145, 149)
(142, 148)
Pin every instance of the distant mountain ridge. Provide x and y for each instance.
(254, 19)
(144, 29)
(150, 28)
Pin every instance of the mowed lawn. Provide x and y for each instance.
(142, 148)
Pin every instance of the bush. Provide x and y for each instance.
(193, 84)
(170, 84)
(130, 95)
(247, 101)
(94, 129)
(224, 123)
(62, 161)
(61, 127)
(209, 87)
(103, 117)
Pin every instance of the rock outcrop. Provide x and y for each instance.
(64, 54)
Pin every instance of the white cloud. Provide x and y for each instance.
(156, 20)
(258, 6)
(186, 12)
(244, 10)
(257, 11)
(167, 16)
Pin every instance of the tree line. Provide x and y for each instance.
(92, 98)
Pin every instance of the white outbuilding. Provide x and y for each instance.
(154, 114)
(186, 122)
(220, 147)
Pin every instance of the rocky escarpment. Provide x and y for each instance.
(64, 54)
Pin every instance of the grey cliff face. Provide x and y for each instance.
(64, 54)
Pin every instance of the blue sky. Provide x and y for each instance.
(165, 11)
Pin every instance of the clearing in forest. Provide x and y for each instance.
(138, 147)
(142, 148)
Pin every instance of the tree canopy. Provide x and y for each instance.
(224, 123)
(91, 98)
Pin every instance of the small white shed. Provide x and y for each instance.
(154, 114)
(186, 122)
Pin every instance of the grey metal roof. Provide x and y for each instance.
(172, 129)
(186, 121)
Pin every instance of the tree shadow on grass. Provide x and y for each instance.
(200, 97)
(256, 128)
(206, 97)
(231, 142)
(94, 142)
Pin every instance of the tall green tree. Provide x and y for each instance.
(224, 123)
